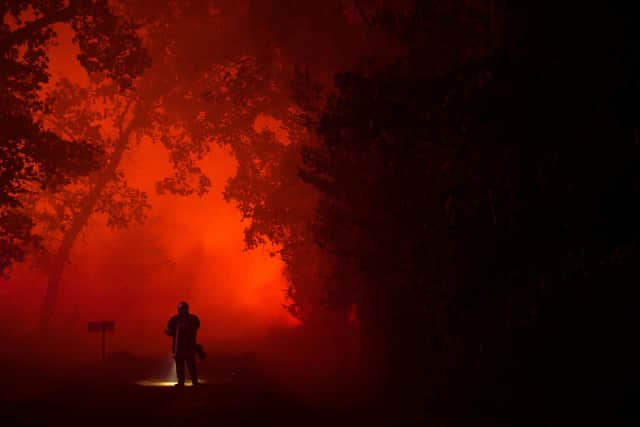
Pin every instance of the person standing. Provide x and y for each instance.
(183, 327)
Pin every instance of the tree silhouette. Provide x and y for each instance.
(182, 107)
(476, 204)
(477, 201)
(33, 157)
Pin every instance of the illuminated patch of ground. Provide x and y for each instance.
(163, 383)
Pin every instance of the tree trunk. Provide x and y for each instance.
(88, 204)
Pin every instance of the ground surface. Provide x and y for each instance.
(234, 394)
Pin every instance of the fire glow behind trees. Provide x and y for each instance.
(429, 204)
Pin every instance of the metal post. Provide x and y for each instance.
(103, 327)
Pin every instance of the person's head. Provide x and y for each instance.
(183, 308)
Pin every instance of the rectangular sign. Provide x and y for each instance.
(101, 326)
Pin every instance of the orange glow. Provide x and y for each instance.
(62, 58)
(190, 249)
(267, 123)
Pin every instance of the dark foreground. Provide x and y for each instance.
(236, 393)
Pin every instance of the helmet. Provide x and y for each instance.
(183, 307)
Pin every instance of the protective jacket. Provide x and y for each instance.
(183, 329)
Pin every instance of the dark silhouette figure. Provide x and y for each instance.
(183, 327)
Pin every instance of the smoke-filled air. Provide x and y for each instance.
(322, 212)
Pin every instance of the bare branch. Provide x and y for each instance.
(362, 13)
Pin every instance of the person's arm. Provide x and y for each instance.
(171, 327)
(196, 322)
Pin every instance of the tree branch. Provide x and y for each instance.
(23, 34)
(123, 116)
(362, 13)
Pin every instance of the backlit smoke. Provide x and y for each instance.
(190, 248)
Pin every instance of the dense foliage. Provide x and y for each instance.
(33, 158)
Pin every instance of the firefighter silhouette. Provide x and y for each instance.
(183, 327)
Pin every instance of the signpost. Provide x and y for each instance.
(102, 326)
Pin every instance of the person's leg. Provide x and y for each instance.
(180, 369)
(191, 364)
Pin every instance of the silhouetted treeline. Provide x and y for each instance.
(491, 210)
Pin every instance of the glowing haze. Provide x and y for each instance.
(190, 248)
